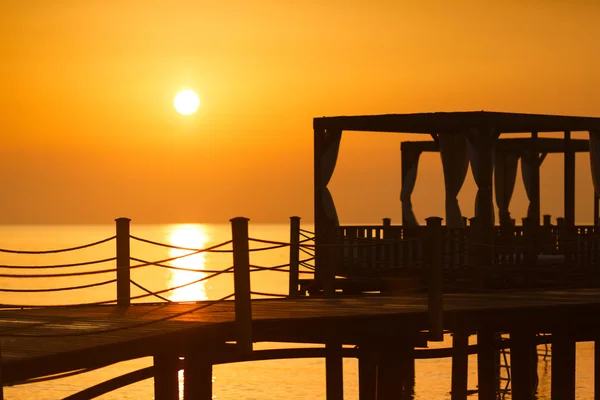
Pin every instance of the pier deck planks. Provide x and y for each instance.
(314, 320)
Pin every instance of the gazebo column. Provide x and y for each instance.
(326, 147)
(569, 191)
(535, 178)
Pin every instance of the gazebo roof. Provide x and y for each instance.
(512, 145)
(449, 122)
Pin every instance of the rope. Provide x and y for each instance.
(204, 278)
(278, 246)
(305, 265)
(374, 243)
(122, 328)
(149, 292)
(96, 303)
(269, 294)
(306, 231)
(58, 250)
(102, 271)
(58, 265)
(276, 268)
(159, 264)
(207, 250)
(275, 242)
(307, 237)
(305, 251)
(58, 289)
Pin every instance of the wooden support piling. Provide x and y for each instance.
(435, 303)
(1, 379)
(391, 358)
(407, 372)
(487, 373)
(166, 377)
(294, 256)
(241, 282)
(367, 373)
(562, 385)
(197, 376)
(460, 364)
(523, 359)
(334, 371)
(123, 262)
(597, 367)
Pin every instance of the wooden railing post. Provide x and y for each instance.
(123, 260)
(294, 255)
(435, 305)
(1, 379)
(241, 283)
(386, 250)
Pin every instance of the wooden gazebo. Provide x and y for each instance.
(462, 138)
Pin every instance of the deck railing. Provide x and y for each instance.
(512, 252)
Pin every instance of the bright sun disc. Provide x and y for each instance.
(186, 102)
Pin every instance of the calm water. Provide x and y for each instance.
(266, 380)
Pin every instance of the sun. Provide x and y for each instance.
(186, 102)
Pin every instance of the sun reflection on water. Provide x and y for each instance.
(189, 236)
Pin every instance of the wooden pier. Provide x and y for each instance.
(52, 341)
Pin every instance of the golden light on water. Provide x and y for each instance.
(190, 236)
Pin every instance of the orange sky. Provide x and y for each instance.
(89, 132)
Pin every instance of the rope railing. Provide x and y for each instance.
(59, 289)
(211, 249)
(269, 294)
(204, 278)
(58, 250)
(94, 303)
(79, 264)
(307, 252)
(307, 237)
(121, 328)
(307, 231)
(162, 265)
(149, 291)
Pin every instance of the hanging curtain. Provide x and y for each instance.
(528, 166)
(410, 166)
(595, 160)
(328, 161)
(455, 163)
(505, 174)
(481, 146)
(527, 170)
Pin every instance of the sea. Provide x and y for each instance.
(262, 380)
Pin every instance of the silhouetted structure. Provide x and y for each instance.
(498, 254)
